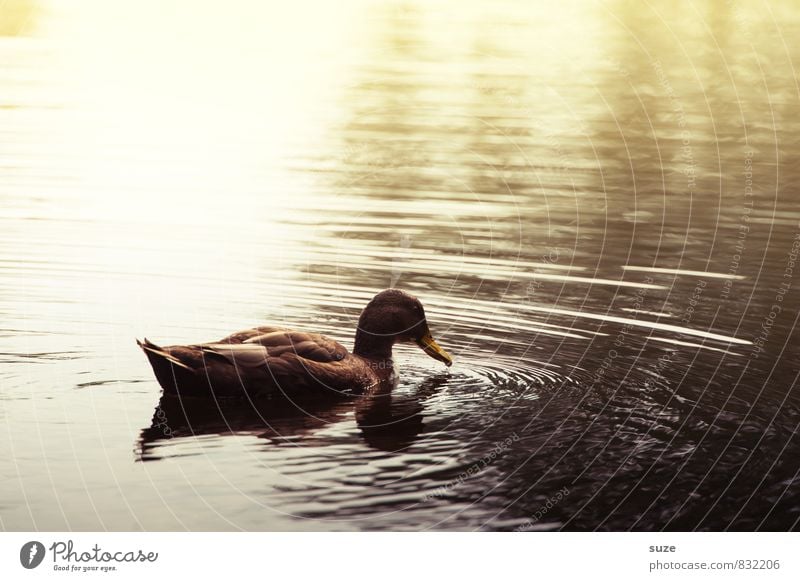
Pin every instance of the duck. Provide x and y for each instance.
(268, 361)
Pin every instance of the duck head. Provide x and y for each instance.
(394, 316)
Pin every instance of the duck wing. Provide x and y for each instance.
(242, 336)
(279, 340)
(289, 359)
(252, 361)
(311, 346)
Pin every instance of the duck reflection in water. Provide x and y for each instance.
(388, 421)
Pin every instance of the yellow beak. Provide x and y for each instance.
(432, 348)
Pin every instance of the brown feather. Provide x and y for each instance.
(269, 359)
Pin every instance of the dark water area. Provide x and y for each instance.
(597, 202)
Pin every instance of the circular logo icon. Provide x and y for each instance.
(31, 554)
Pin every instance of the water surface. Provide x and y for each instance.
(596, 201)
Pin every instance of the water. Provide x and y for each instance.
(596, 201)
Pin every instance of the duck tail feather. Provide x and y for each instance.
(152, 350)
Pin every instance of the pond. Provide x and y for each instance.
(597, 203)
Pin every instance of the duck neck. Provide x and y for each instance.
(373, 346)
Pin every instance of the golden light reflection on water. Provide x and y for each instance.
(164, 116)
(195, 99)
